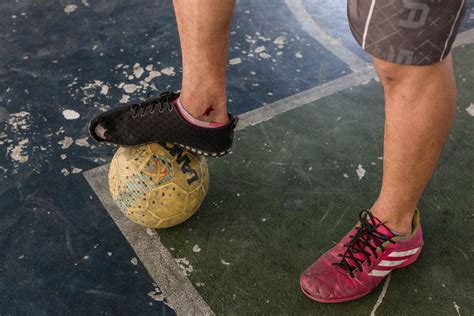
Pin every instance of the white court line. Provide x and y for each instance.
(464, 38)
(381, 296)
(265, 113)
(177, 288)
(313, 29)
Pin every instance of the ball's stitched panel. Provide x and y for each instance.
(158, 185)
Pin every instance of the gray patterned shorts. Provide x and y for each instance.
(409, 32)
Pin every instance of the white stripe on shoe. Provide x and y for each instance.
(379, 273)
(388, 263)
(404, 253)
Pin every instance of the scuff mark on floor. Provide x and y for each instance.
(470, 109)
(185, 266)
(457, 307)
(360, 171)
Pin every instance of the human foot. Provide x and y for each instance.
(159, 120)
(361, 260)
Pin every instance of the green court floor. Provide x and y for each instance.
(295, 185)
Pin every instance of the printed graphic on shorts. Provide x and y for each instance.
(413, 32)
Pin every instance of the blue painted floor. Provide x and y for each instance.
(63, 62)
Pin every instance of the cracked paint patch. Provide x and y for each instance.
(360, 172)
(470, 109)
(71, 115)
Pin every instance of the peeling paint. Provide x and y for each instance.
(470, 109)
(130, 88)
(169, 71)
(76, 170)
(185, 266)
(71, 115)
(125, 98)
(152, 75)
(225, 262)
(137, 70)
(66, 142)
(82, 142)
(70, 8)
(16, 153)
(104, 90)
(360, 172)
(235, 61)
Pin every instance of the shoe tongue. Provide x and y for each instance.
(381, 229)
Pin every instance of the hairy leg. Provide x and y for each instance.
(420, 105)
(204, 28)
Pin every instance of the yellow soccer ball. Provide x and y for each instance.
(158, 185)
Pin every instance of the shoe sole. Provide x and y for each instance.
(352, 298)
(341, 300)
(204, 153)
(191, 149)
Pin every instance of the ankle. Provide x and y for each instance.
(205, 105)
(396, 219)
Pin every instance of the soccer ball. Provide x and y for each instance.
(158, 185)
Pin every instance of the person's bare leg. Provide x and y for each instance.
(204, 28)
(420, 104)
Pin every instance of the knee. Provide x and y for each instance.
(390, 74)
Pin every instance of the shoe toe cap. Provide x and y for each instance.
(324, 282)
(316, 286)
(105, 125)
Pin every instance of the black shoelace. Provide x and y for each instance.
(162, 102)
(366, 241)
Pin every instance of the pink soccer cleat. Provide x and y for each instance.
(361, 260)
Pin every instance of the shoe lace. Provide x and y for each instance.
(162, 102)
(366, 241)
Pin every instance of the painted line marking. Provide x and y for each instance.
(177, 288)
(271, 110)
(313, 29)
(458, 308)
(464, 38)
(381, 296)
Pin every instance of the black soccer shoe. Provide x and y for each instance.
(157, 120)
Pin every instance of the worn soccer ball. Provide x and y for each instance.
(158, 185)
